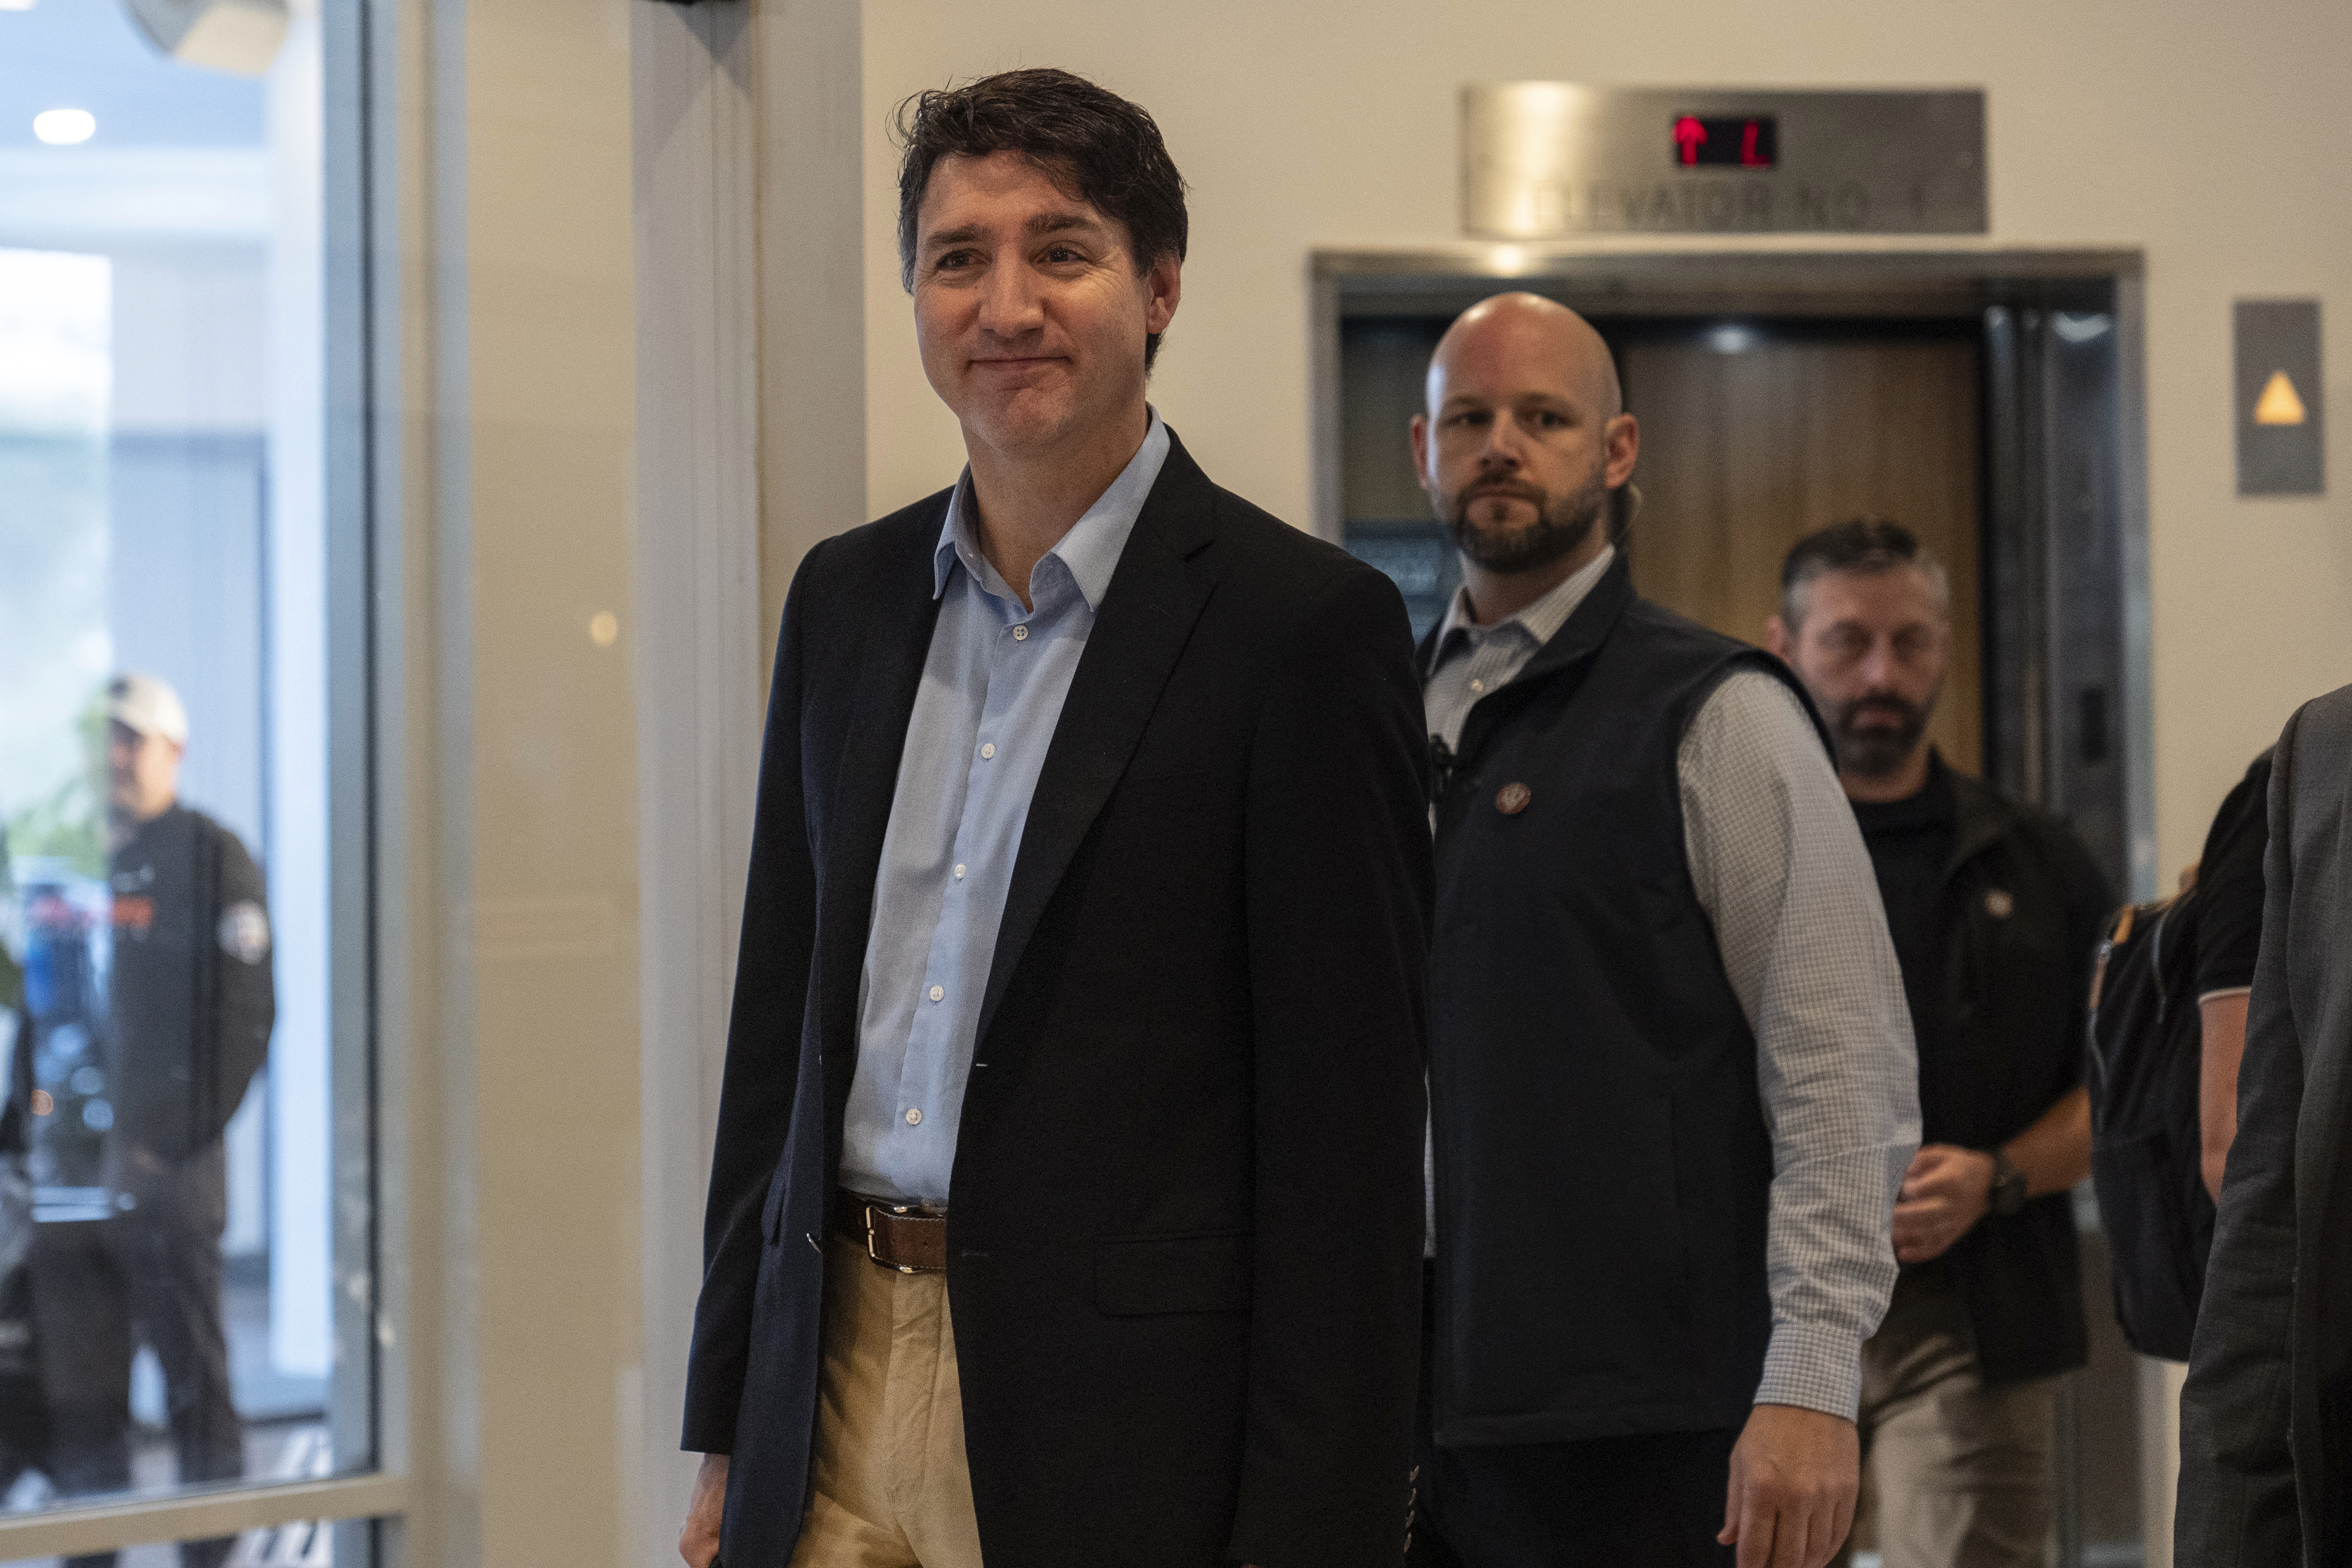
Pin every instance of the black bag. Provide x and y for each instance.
(2146, 1043)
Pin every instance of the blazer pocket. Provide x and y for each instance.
(1137, 1276)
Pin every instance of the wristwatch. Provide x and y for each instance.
(2007, 1194)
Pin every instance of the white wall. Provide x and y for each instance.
(2211, 137)
(191, 327)
(301, 1289)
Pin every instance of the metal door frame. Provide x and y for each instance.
(2069, 703)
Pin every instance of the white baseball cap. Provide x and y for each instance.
(144, 703)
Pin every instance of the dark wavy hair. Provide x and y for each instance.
(1867, 545)
(1098, 147)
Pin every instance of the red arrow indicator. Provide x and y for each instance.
(1688, 135)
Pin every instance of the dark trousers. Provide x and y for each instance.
(23, 1410)
(1646, 1501)
(99, 1290)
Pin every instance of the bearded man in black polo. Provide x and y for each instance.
(1995, 908)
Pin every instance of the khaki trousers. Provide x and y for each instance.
(1962, 1472)
(891, 1485)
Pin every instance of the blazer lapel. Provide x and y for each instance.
(900, 611)
(1146, 618)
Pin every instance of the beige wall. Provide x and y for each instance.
(2211, 137)
(511, 1060)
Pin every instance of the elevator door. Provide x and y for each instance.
(1987, 401)
(1753, 436)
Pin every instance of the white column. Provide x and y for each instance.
(750, 412)
(302, 1318)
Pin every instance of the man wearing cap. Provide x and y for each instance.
(1672, 1083)
(189, 1010)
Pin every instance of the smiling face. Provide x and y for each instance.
(1523, 438)
(1029, 309)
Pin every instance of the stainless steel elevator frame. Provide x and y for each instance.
(2069, 709)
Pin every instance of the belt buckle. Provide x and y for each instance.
(901, 1209)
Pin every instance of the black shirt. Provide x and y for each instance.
(1995, 908)
(1910, 843)
(189, 996)
(2228, 907)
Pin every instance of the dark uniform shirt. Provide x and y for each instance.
(1994, 908)
(189, 998)
(1910, 843)
(2227, 911)
(16, 1074)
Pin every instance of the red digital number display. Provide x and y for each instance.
(1749, 144)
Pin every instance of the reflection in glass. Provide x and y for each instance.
(166, 1304)
(305, 1545)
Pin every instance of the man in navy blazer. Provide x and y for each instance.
(1066, 1202)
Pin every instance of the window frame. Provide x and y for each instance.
(364, 118)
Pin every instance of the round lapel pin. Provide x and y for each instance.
(2000, 903)
(1512, 799)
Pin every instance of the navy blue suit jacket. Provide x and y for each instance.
(1185, 1220)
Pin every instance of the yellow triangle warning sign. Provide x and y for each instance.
(2278, 404)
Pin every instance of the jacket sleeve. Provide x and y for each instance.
(245, 1000)
(1338, 888)
(2237, 1497)
(763, 1047)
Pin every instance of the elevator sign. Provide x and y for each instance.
(1544, 159)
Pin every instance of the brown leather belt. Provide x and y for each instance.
(902, 1236)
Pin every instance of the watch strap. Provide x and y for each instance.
(2009, 1185)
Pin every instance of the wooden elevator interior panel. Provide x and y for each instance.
(1753, 437)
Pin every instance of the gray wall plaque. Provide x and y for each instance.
(1545, 159)
(2280, 448)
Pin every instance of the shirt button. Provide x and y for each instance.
(1021, 634)
(914, 1118)
(959, 873)
(1478, 685)
(939, 993)
(988, 750)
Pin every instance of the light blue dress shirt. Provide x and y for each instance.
(990, 697)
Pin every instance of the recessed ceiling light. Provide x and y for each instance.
(16, 4)
(65, 127)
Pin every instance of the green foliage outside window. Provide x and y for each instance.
(70, 823)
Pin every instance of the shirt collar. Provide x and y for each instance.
(1090, 551)
(1541, 620)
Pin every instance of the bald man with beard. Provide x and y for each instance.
(1672, 1083)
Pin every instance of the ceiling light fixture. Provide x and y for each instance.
(65, 127)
